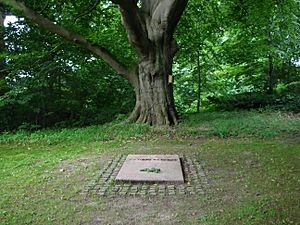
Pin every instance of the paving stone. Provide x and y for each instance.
(97, 187)
(104, 183)
(161, 187)
(115, 189)
(133, 193)
(125, 188)
(152, 191)
(205, 182)
(171, 187)
(200, 191)
(143, 192)
(171, 192)
(134, 187)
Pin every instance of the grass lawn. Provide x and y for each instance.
(251, 159)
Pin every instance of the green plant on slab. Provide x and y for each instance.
(151, 170)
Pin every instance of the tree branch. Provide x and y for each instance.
(164, 14)
(44, 8)
(94, 6)
(71, 36)
(175, 14)
(133, 24)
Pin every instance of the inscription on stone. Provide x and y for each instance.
(151, 168)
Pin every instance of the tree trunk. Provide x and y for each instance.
(270, 74)
(150, 30)
(3, 68)
(199, 82)
(154, 92)
(2, 44)
(270, 64)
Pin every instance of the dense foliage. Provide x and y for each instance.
(249, 55)
(233, 55)
(51, 82)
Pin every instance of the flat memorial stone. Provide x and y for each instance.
(151, 168)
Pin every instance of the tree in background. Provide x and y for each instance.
(3, 69)
(199, 31)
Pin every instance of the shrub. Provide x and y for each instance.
(286, 100)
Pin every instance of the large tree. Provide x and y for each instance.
(150, 26)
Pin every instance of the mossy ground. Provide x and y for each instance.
(254, 176)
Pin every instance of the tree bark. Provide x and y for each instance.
(154, 92)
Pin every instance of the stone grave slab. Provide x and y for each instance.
(151, 168)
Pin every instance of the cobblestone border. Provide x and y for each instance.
(196, 181)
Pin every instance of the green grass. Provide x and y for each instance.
(264, 192)
(252, 160)
(206, 124)
(105, 132)
(242, 124)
